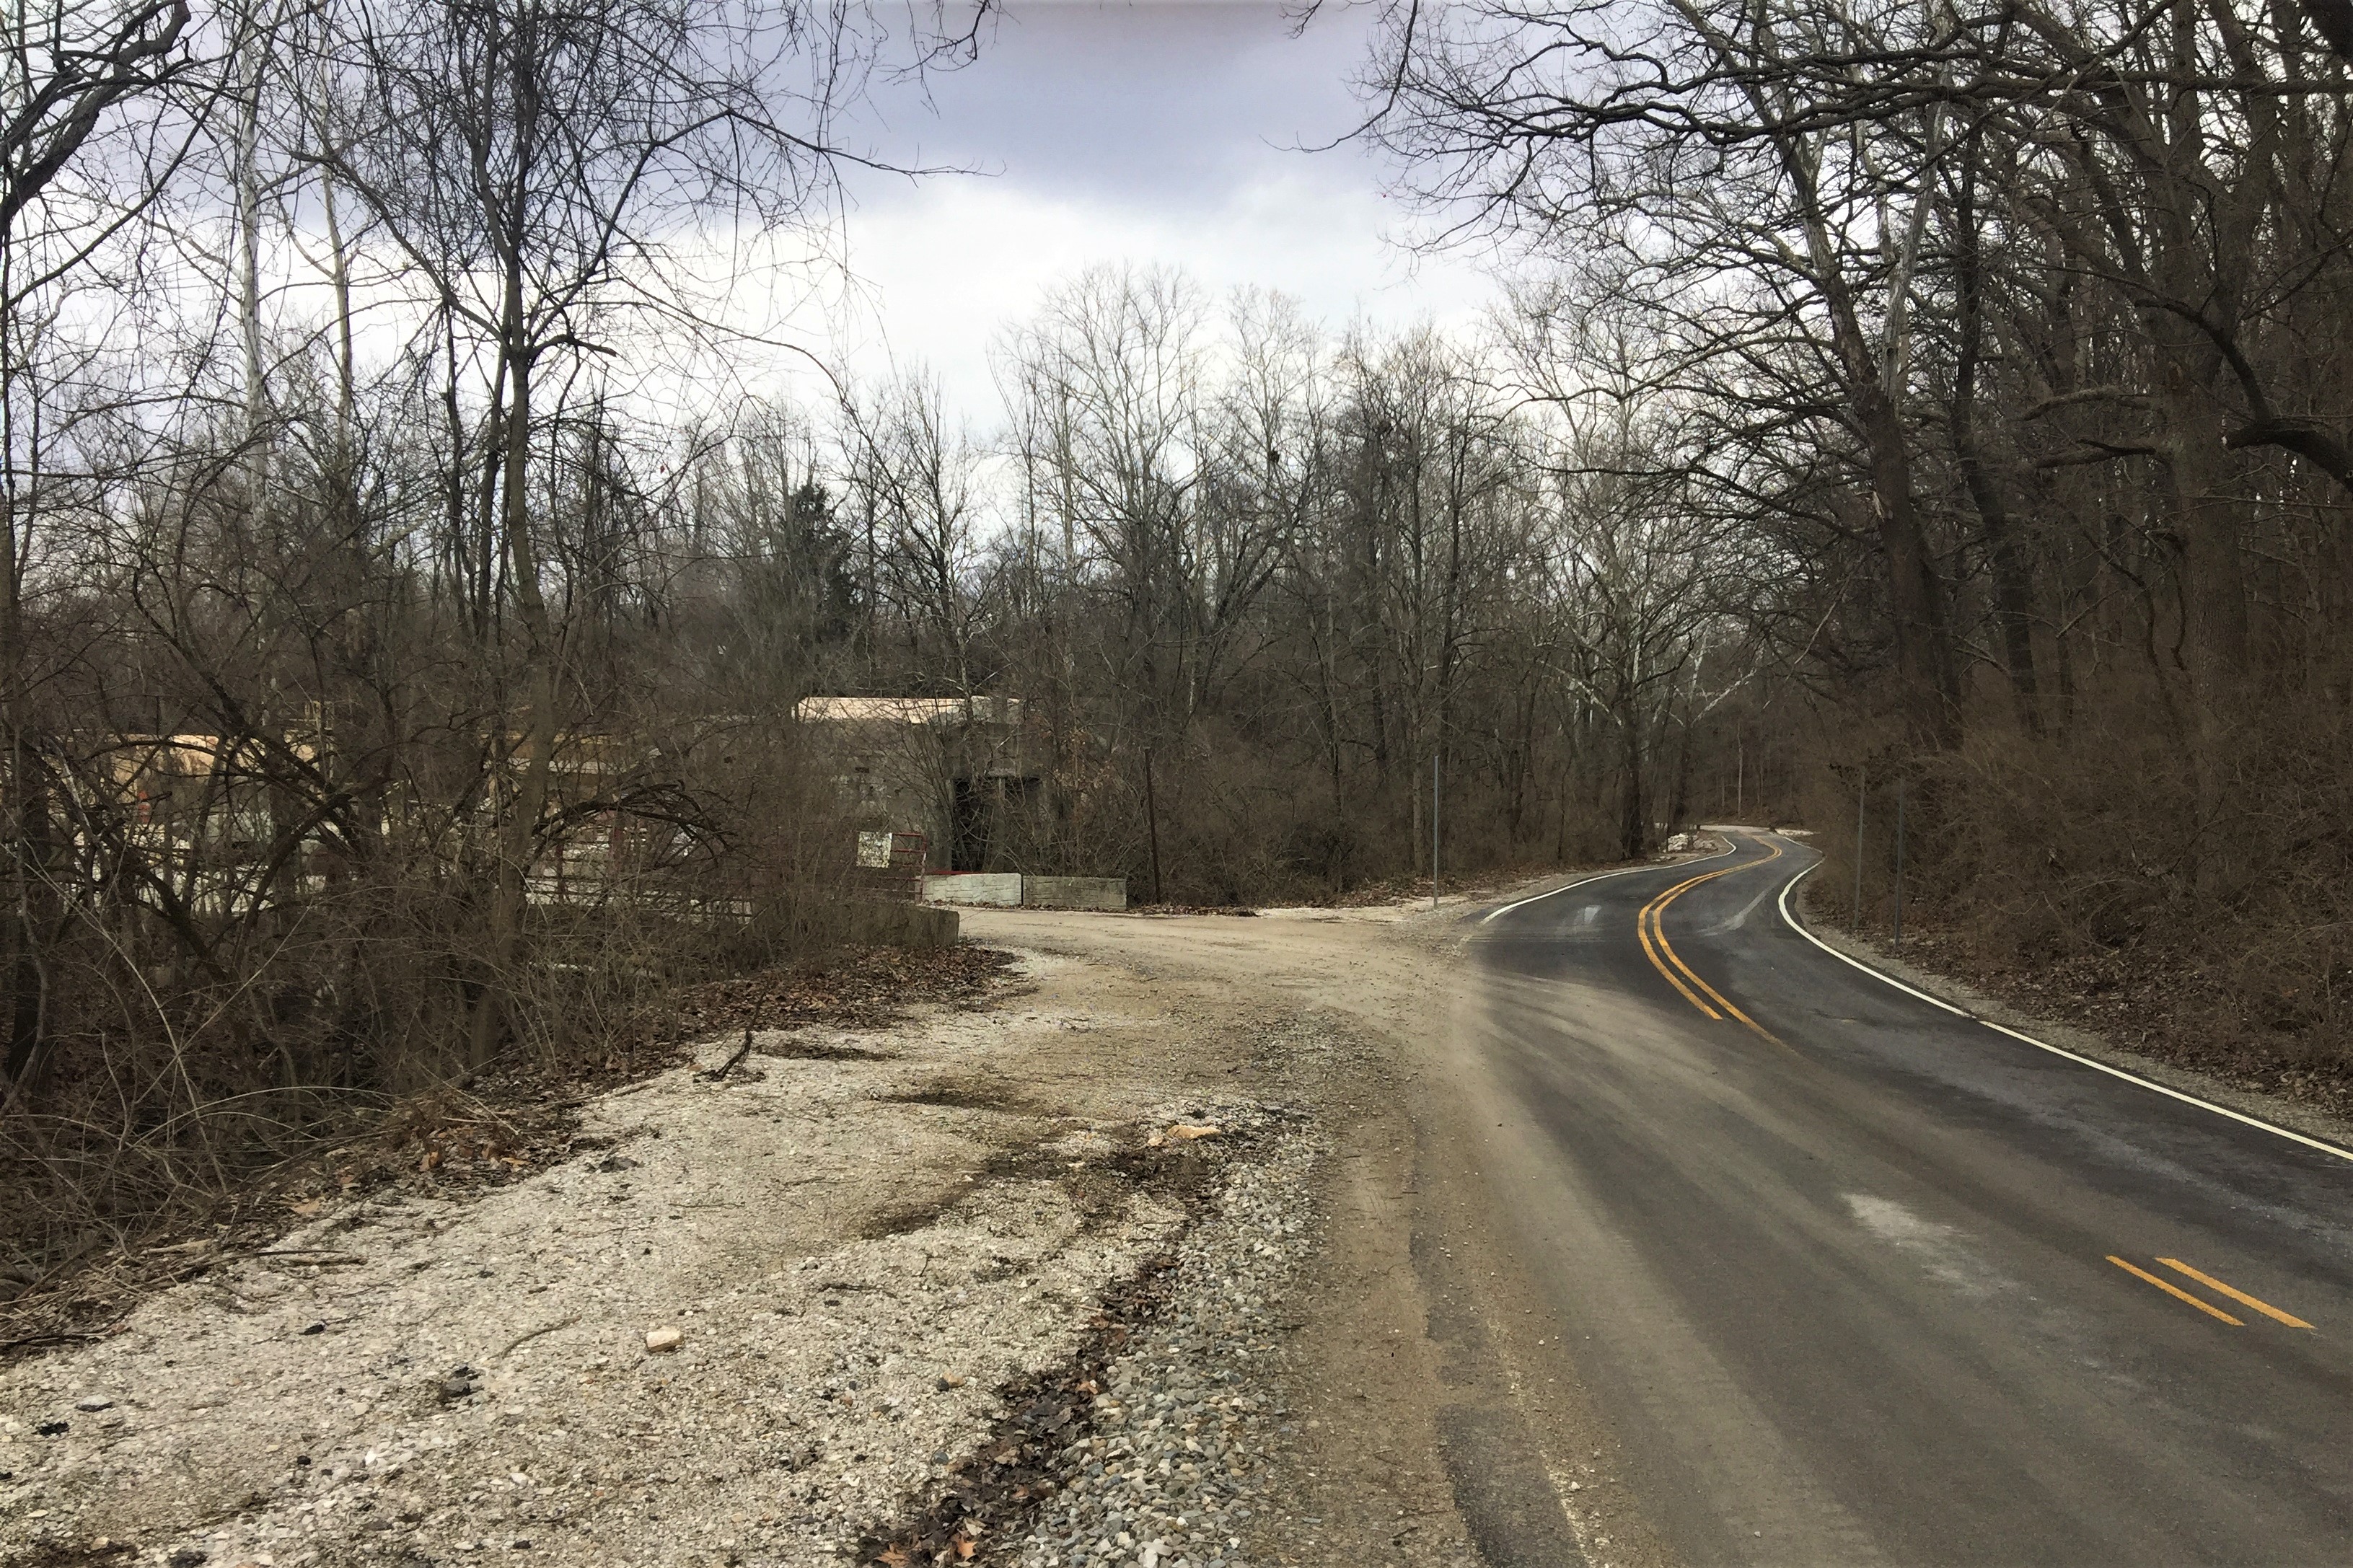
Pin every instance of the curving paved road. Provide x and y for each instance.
(1859, 1279)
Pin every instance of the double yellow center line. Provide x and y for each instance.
(1650, 927)
(2178, 1294)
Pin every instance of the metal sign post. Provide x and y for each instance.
(1899, 860)
(1861, 794)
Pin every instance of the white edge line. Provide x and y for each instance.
(1842, 958)
(1602, 877)
(2093, 1062)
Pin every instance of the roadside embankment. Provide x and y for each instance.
(2094, 1023)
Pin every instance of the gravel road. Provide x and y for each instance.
(1187, 1421)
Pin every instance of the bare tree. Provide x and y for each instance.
(915, 482)
(539, 165)
(99, 105)
(1752, 194)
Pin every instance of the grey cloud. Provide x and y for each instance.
(1163, 106)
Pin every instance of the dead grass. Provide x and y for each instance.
(862, 989)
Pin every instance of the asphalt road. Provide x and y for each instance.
(1864, 1280)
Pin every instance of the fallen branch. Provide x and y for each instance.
(61, 1337)
(740, 1052)
(526, 1339)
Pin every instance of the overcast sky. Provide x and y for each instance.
(1144, 132)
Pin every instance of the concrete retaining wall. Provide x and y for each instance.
(1074, 892)
(1008, 889)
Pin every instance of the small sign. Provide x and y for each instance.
(875, 851)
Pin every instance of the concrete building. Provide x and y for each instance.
(953, 769)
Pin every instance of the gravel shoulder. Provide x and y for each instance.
(856, 1240)
(1434, 1414)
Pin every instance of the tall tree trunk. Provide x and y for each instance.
(1923, 651)
(537, 677)
(2213, 570)
(248, 235)
(2213, 595)
(24, 791)
(1633, 803)
(2013, 596)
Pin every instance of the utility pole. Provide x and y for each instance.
(1861, 794)
(1433, 829)
(1152, 825)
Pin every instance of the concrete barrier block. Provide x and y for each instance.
(1002, 887)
